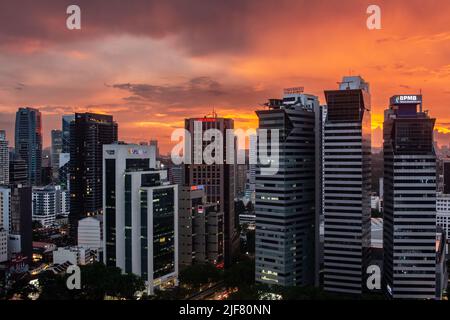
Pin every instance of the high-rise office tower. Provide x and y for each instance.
(66, 121)
(286, 207)
(409, 230)
(200, 228)
(140, 215)
(88, 133)
(56, 150)
(347, 186)
(4, 159)
(218, 179)
(118, 159)
(28, 142)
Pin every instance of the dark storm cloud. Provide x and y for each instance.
(194, 89)
(201, 26)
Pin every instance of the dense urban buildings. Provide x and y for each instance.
(4, 159)
(88, 133)
(443, 212)
(347, 186)
(409, 200)
(286, 201)
(200, 228)
(218, 179)
(28, 142)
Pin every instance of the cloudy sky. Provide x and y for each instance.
(152, 63)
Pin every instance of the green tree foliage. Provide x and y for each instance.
(199, 274)
(97, 282)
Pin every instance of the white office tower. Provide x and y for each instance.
(347, 186)
(286, 208)
(409, 238)
(4, 159)
(4, 223)
(90, 232)
(140, 215)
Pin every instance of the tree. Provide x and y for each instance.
(241, 274)
(199, 274)
(97, 282)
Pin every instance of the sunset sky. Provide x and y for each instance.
(153, 63)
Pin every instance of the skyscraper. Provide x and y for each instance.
(56, 150)
(4, 159)
(28, 142)
(141, 215)
(347, 186)
(88, 133)
(118, 159)
(286, 208)
(409, 231)
(218, 179)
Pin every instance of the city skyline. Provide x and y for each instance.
(178, 68)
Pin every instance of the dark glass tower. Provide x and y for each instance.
(28, 142)
(89, 132)
(409, 230)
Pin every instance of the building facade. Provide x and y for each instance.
(200, 228)
(88, 133)
(56, 150)
(218, 179)
(286, 208)
(409, 231)
(4, 159)
(347, 186)
(28, 142)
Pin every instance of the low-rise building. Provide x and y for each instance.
(74, 255)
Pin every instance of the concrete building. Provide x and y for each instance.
(288, 200)
(56, 150)
(347, 186)
(48, 203)
(218, 179)
(409, 239)
(90, 232)
(200, 228)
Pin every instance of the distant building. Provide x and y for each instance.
(21, 220)
(17, 172)
(48, 203)
(28, 142)
(446, 176)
